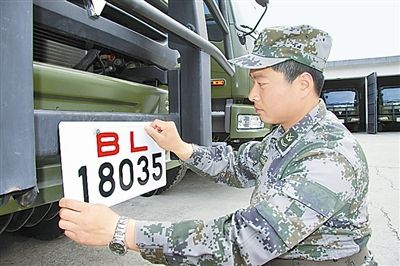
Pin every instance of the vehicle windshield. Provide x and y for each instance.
(342, 97)
(390, 96)
(207, 12)
(246, 14)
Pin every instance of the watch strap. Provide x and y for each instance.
(120, 229)
(117, 244)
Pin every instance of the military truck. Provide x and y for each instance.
(74, 60)
(388, 107)
(233, 117)
(344, 103)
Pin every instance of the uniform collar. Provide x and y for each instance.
(289, 138)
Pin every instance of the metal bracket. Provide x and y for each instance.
(228, 108)
(94, 7)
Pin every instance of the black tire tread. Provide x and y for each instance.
(47, 229)
(175, 177)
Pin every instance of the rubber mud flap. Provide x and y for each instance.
(4, 199)
(26, 197)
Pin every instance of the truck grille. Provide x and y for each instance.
(53, 48)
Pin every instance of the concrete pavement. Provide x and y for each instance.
(197, 197)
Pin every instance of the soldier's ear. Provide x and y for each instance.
(306, 83)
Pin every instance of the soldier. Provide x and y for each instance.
(310, 177)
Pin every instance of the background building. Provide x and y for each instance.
(364, 93)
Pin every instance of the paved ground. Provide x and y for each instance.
(383, 152)
(200, 198)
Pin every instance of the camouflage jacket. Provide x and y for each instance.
(309, 200)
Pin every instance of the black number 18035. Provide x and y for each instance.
(106, 175)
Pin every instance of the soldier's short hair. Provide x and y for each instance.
(292, 69)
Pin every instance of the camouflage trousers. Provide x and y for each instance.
(362, 258)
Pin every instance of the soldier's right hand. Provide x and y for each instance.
(167, 137)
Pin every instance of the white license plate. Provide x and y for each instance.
(397, 119)
(341, 121)
(109, 162)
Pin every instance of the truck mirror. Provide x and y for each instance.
(242, 39)
(263, 3)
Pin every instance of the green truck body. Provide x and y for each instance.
(93, 75)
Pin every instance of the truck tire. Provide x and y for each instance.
(19, 219)
(5, 221)
(380, 127)
(174, 176)
(47, 228)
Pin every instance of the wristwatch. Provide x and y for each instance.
(117, 244)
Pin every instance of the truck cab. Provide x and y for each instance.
(388, 107)
(234, 119)
(344, 103)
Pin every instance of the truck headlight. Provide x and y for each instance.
(354, 119)
(249, 122)
(383, 118)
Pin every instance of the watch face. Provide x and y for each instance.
(117, 248)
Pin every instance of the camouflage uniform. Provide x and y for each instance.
(309, 200)
(310, 185)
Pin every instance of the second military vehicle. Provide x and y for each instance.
(344, 103)
(389, 108)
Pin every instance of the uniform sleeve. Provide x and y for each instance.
(237, 169)
(306, 198)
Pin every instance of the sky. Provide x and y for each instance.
(359, 28)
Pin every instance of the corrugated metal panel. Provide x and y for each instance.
(52, 48)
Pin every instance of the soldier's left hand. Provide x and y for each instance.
(86, 223)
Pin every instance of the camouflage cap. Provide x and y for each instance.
(303, 43)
